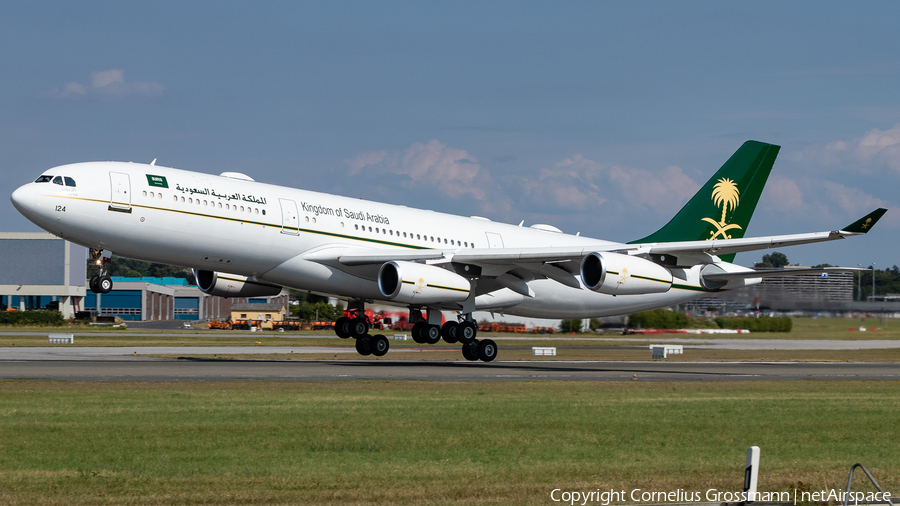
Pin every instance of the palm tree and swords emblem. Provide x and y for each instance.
(727, 196)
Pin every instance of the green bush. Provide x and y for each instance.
(664, 319)
(569, 326)
(327, 313)
(761, 324)
(44, 318)
(658, 319)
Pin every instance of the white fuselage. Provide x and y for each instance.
(281, 235)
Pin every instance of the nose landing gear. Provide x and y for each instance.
(101, 283)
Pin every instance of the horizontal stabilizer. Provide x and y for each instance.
(725, 276)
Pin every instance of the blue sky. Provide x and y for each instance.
(599, 118)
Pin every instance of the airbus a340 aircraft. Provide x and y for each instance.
(244, 238)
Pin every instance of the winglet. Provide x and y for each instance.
(864, 224)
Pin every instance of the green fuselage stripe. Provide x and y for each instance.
(259, 223)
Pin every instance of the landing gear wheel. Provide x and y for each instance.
(470, 351)
(448, 332)
(364, 345)
(93, 284)
(359, 327)
(466, 332)
(431, 334)
(417, 332)
(487, 350)
(380, 345)
(342, 327)
(105, 284)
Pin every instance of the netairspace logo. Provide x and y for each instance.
(637, 496)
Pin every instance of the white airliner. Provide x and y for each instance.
(245, 238)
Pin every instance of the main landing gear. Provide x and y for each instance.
(463, 332)
(358, 327)
(423, 332)
(101, 283)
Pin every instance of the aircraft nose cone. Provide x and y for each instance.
(20, 199)
(25, 200)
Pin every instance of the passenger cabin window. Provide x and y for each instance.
(57, 180)
(43, 179)
(69, 181)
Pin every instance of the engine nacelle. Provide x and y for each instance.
(232, 285)
(617, 274)
(710, 283)
(415, 283)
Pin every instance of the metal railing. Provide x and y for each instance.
(868, 475)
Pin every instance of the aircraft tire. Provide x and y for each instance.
(359, 327)
(342, 327)
(417, 332)
(466, 332)
(380, 345)
(105, 284)
(470, 351)
(364, 345)
(93, 284)
(487, 350)
(448, 332)
(432, 334)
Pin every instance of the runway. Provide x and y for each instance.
(112, 368)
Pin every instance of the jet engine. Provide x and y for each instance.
(232, 285)
(415, 283)
(617, 274)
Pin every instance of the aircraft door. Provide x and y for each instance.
(290, 222)
(120, 198)
(494, 240)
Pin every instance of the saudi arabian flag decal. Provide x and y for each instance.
(158, 181)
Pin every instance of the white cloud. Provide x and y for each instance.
(871, 153)
(109, 83)
(70, 90)
(433, 166)
(782, 194)
(881, 146)
(107, 77)
(580, 184)
(440, 177)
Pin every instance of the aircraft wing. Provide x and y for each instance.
(562, 255)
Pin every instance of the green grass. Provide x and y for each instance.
(430, 443)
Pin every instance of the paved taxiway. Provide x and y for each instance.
(112, 367)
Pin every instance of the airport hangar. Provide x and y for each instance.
(42, 271)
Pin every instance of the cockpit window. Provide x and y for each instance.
(69, 181)
(43, 179)
(58, 180)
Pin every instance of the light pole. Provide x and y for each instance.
(873, 281)
(859, 282)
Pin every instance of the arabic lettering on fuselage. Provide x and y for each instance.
(235, 196)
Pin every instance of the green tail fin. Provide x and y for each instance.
(723, 206)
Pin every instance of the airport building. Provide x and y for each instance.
(804, 292)
(41, 270)
(144, 299)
